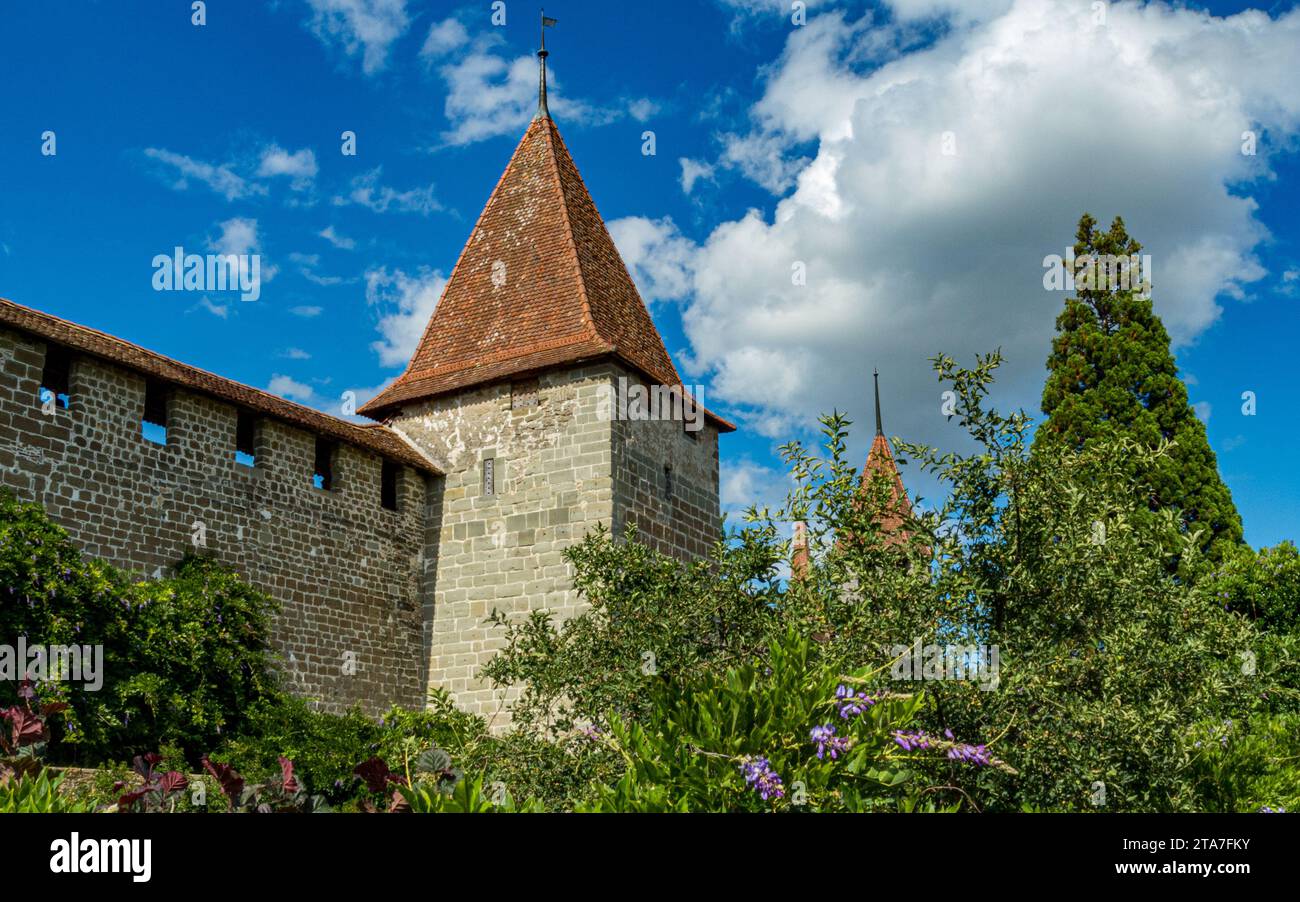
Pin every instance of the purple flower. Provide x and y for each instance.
(827, 741)
(977, 755)
(852, 703)
(912, 740)
(761, 778)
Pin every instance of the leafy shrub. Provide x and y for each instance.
(36, 794)
(648, 614)
(466, 797)
(280, 794)
(184, 656)
(1263, 585)
(324, 747)
(1248, 766)
(781, 733)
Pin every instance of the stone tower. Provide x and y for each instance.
(519, 392)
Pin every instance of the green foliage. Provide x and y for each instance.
(1263, 585)
(648, 615)
(184, 656)
(1111, 651)
(1111, 376)
(1249, 766)
(324, 747)
(36, 794)
(703, 747)
(467, 797)
(1109, 654)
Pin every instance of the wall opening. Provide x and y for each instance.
(56, 377)
(388, 486)
(246, 439)
(153, 423)
(668, 481)
(490, 476)
(524, 394)
(323, 470)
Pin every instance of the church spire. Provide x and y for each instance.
(879, 429)
(542, 54)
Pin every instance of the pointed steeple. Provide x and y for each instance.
(880, 462)
(539, 285)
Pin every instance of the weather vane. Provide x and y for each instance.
(542, 54)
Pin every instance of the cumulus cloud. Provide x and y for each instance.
(288, 387)
(364, 28)
(444, 37)
(744, 483)
(405, 303)
(492, 91)
(239, 238)
(299, 167)
(906, 250)
(658, 256)
(692, 172)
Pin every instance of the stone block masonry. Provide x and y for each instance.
(531, 467)
(347, 572)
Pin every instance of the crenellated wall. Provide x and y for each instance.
(349, 574)
(377, 605)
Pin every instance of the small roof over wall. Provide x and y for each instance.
(381, 440)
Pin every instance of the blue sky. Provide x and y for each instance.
(776, 144)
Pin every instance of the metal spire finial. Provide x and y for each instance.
(879, 429)
(542, 54)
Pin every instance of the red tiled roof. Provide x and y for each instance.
(539, 284)
(880, 462)
(380, 439)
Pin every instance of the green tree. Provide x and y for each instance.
(1111, 374)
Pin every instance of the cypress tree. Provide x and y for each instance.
(1111, 373)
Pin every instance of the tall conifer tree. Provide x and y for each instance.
(1111, 373)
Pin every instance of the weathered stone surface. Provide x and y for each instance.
(377, 605)
(346, 571)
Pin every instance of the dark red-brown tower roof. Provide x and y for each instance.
(539, 284)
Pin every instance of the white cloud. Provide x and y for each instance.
(295, 354)
(220, 178)
(239, 180)
(960, 11)
(444, 37)
(641, 110)
(657, 255)
(367, 28)
(288, 387)
(239, 237)
(221, 311)
(1203, 410)
(491, 92)
(909, 252)
(306, 311)
(367, 191)
(744, 483)
(692, 172)
(307, 264)
(299, 167)
(336, 239)
(406, 303)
